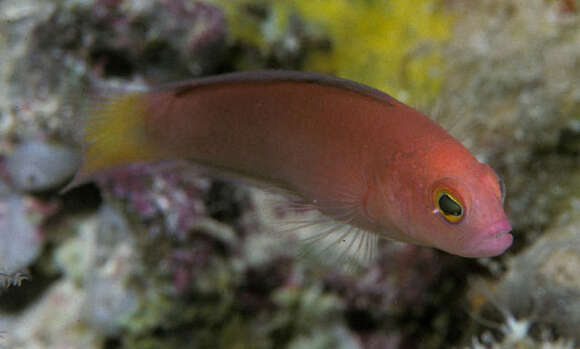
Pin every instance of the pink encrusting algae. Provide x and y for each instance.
(355, 153)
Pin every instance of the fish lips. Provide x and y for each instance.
(494, 240)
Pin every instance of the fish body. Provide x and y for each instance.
(357, 154)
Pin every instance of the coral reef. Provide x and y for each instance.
(400, 40)
(538, 296)
(519, 106)
(162, 255)
(36, 166)
(21, 231)
(166, 196)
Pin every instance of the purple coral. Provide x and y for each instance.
(199, 32)
(399, 280)
(188, 36)
(404, 287)
(167, 196)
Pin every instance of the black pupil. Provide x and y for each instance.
(449, 206)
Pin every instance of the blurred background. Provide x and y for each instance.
(155, 256)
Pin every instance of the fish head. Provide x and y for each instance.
(450, 202)
(466, 215)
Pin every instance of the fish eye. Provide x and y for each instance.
(448, 205)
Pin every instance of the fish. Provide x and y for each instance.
(356, 154)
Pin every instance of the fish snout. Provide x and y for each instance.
(492, 241)
(499, 229)
(495, 240)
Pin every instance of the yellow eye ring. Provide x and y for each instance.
(449, 206)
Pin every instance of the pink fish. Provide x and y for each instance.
(357, 154)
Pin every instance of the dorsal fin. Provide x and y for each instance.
(184, 87)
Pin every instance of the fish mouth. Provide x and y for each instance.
(495, 241)
(499, 230)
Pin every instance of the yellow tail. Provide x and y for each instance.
(115, 135)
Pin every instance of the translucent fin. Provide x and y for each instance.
(343, 246)
(331, 240)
